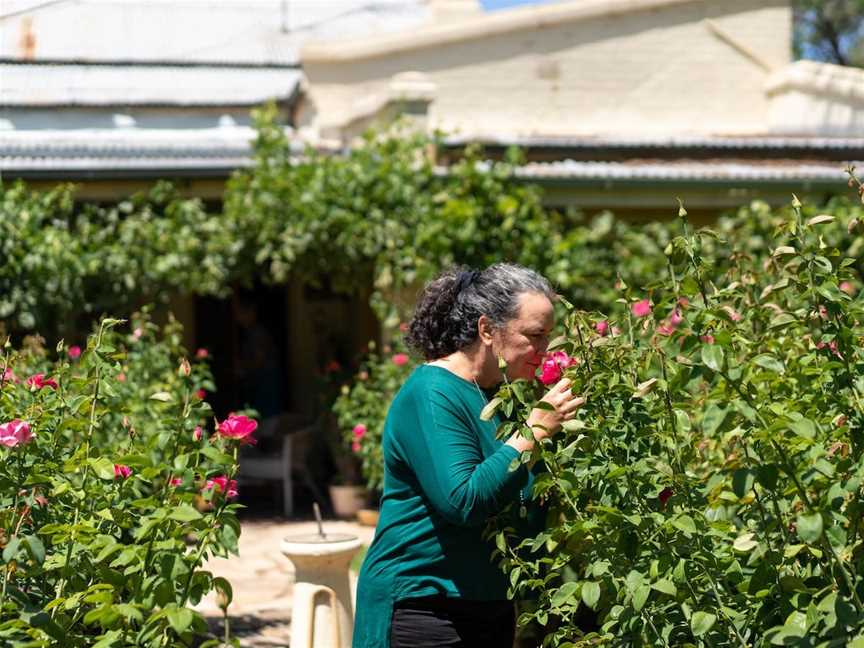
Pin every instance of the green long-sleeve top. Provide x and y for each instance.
(445, 473)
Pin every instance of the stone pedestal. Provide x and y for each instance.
(323, 612)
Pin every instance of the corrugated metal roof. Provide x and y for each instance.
(249, 31)
(765, 142)
(36, 85)
(194, 150)
(686, 171)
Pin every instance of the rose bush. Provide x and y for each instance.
(361, 408)
(709, 492)
(109, 501)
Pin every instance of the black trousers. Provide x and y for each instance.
(440, 622)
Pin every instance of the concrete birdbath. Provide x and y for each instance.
(323, 612)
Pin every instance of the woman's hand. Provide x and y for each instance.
(546, 422)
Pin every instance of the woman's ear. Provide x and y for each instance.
(485, 330)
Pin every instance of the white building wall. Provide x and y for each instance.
(645, 72)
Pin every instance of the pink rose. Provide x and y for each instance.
(121, 471)
(202, 354)
(400, 359)
(74, 352)
(664, 496)
(359, 431)
(197, 433)
(15, 432)
(9, 376)
(675, 318)
(238, 427)
(137, 333)
(176, 481)
(665, 329)
(554, 365)
(831, 346)
(602, 328)
(707, 339)
(734, 315)
(38, 381)
(641, 308)
(847, 287)
(355, 446)
(121, 377)
(223, 485)
(201, 394)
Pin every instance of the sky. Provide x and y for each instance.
(492, 5)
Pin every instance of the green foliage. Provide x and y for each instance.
(94, 555)
(709, 493)
(829, 30)
(365, 404)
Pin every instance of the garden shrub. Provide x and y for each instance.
(115, 487)
(709, 492)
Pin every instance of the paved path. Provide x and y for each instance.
(263, 579)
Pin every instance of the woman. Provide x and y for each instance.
(428, 578)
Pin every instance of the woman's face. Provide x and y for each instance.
(523, 340)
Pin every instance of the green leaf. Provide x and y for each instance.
(36, 548)
(640, 596)
(809, 527)
(781, 320)
(803, 428)
(179, 618)
(745, 543)
(185, 513)
(686, 524)
(565, 594)
(712, 356)
(489, 411)
(163, 396)
(769, 362)
(742, 481)
(701, 623)
(665, 586)
(591, 594)
(103, 467)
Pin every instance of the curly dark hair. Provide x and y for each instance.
(445, 318)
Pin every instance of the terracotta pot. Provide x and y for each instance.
(347, 500)
(368, 517)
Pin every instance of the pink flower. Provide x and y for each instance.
(15, 432)
(602, 328)
(176, 481)
(201, 394)
(847, 287)
(400, 359)
(74, 352)
(683, 302)
(665, 329)
(359, 431)
(707, 339)
(41, 500)
(122, 471)
(202, 353)
(554, 365)
(121, 377)
(641, 308)
(137, 333)
(9, 376)
(831, 346)
(355, 446)
(403, 327)
(238, 427)
(734, 315)
(675, 318)
(223, 484)
(38, 381)
(197, 433)
(823, 312)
